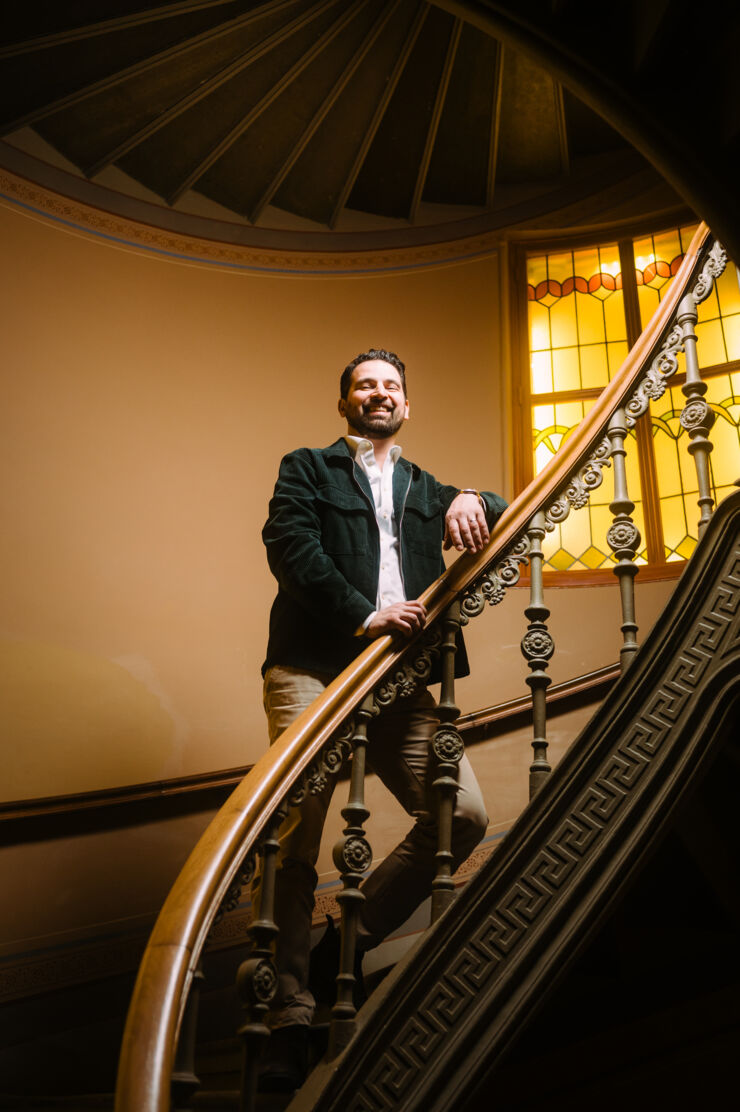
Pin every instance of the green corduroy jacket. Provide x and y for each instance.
(323, 548)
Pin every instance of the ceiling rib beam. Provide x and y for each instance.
(444, 84)
(256, 110)
(562, 127)
(495, 126)
(383, 103)
(209, 86)
(136, 69)
(105, 26)
(322, 112)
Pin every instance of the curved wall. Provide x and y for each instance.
(147, 403)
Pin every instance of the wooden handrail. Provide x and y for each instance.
(180, 931)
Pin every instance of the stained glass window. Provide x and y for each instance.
(578, 339)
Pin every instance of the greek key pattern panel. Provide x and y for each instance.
(714, 637)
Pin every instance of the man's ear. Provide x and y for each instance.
(342, 408)
(406, 414)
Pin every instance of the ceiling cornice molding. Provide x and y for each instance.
(86, 208)
(125, 233)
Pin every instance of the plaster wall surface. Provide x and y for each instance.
(146, 407)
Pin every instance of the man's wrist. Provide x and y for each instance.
(477, 493)
(362, 629)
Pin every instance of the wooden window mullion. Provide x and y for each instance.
(643, 426)
(521, 373)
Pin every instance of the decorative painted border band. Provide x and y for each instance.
(123, 233)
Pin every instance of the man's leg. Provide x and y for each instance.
(287, 693)
(399, 753)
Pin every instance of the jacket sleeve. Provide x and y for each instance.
(292, 536)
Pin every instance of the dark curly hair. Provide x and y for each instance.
(373, 353)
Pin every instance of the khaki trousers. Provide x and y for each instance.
(398, 752)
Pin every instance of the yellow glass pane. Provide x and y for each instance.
(594, 366)
(667, 245)
(569, 413)
(732, 335)
(561, 560)
(669, 477)
(560, 266)
(576, 532)
(709, 308)
(649, 301)
(686, 234)
(539, 327)
(632, 466)
(586, 262)
(613, 310)
(616, 355)
(590, 319)
(710, 343)
(541, 364)
(565, 369)
(563, 328)
(675, 526)
(542, 417)
(609, 260)
(594, 558)
(686, 547)
(601, 516)
(728, 290)
(536, 269)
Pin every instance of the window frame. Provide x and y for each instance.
(623, 234)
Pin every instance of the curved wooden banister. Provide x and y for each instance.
(180, 931)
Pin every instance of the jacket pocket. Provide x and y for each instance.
(423, 528)
(346, 522)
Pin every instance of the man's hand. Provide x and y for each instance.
(402, 617)
(465, 524)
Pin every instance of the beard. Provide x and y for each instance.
(378, 423)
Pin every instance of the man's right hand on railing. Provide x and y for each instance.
(402, 617)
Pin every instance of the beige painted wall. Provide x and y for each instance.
(145, 409)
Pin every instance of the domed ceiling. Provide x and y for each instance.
(305, 114)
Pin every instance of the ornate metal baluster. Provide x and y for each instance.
(352, 856)
(537, 647)
(256, 979)
(448, 748)
(623, 537)
(185, 1082)
(696, 417)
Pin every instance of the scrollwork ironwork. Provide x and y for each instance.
(653, 383)
(242, 880)
(492, 585)
(578, 489)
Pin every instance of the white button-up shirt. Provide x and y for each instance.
(390, 580)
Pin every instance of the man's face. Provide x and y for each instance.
(376, 405)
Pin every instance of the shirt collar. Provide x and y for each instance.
(360, 445)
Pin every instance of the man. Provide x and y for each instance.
(354, 535)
